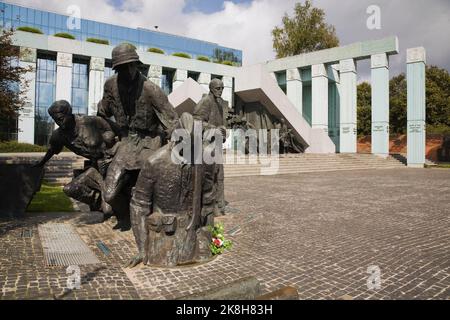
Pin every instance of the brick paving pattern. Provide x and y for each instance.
(318, 232)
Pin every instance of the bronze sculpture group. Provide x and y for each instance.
(130, 172)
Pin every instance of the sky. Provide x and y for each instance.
(247, 24)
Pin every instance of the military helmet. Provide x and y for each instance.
(124, 53)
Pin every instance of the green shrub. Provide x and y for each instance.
(218, 244)
(203, 58)
(156, 50)
(438, 129)
(99, 41)
(14, 146)
(64, 35)
(227, 63)
(30, 29)
(182, 55)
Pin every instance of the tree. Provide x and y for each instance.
(305, 32)
(437, 91)
(11, 75)
(364, 96)
(437, 83)
(397, 104)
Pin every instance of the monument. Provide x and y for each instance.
(173, 205)
(88, 136)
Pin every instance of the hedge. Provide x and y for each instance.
(203, 58)
(14, 146)
(228, 63)
(99, 41)
(30, 29)
(156, 50)
(181, 55)
(64, 35)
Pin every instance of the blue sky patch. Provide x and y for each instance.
(206, 6)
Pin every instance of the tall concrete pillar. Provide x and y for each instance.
(96, 81)
(348, 114)
(27, 59)
(179, 77)
(64, 76)
(155, 75)
(416, 59)
(319, 97)
(334, 104)
(227, 93)
(380, 104)
(204, 79)
(294, 88)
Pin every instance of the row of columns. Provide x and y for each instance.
(345, 78)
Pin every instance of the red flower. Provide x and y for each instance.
(217, 242)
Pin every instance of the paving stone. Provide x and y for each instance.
(317, 232)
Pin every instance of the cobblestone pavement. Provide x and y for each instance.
(318, 232)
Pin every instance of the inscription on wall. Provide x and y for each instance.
(416, 128)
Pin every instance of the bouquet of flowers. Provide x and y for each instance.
(218, 244)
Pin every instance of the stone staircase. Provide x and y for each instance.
(59, 170)
(309, 162)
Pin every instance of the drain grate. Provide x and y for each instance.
(63, 246)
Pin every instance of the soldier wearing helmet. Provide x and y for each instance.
(214, 110)
(143, 118)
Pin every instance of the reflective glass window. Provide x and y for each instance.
(38, 17)
(80, 87)
(45, 96)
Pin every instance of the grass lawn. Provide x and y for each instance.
(51, 198)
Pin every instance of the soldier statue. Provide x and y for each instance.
(288, 142)
(143, 117)
(172, 206)
(214, 110)
(91, 137)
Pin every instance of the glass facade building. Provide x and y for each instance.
(50, 23)
(78, 74)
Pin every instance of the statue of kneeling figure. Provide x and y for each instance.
(172, 206)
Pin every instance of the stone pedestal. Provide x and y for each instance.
(96, 81)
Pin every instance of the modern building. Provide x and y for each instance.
(314, 92)
(75, 70)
